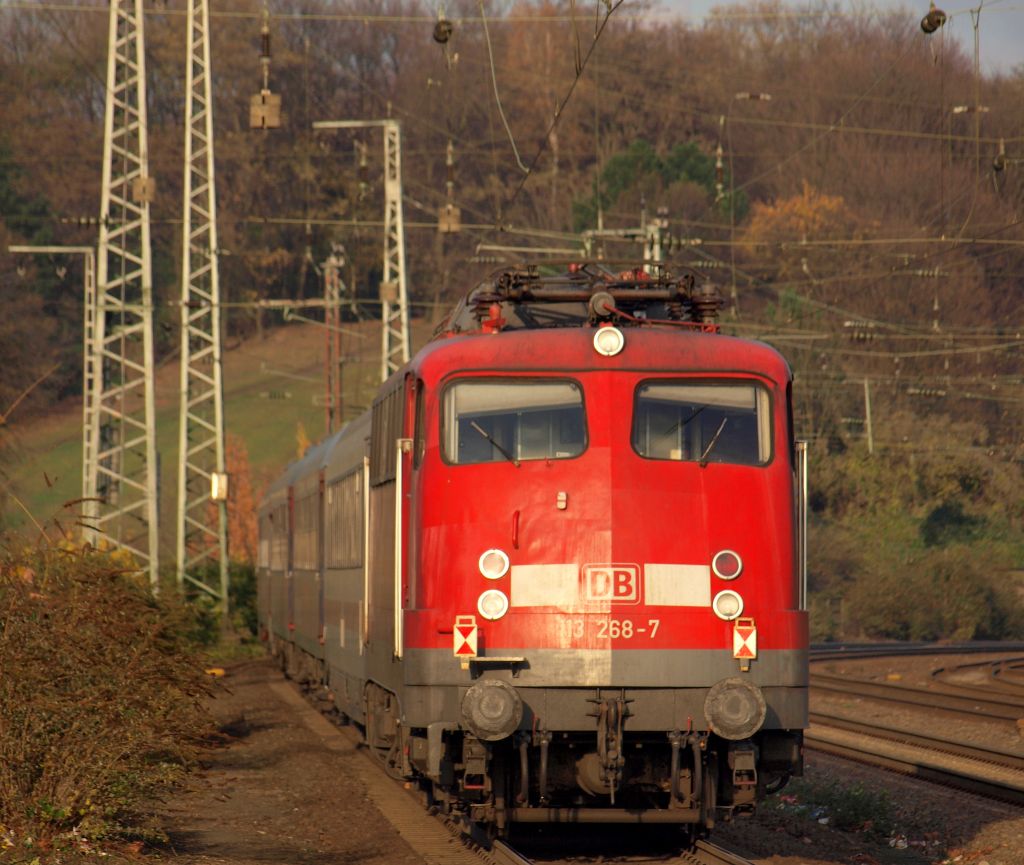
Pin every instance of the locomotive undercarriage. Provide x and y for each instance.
(608, 774)
(544, 777)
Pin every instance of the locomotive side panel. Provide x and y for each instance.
(384, 645)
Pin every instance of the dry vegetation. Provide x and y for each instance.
(100, 701)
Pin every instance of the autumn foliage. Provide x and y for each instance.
(100, 698)
(243, 529)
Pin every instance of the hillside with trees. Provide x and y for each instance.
(852, 185)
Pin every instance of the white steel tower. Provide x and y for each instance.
(202, 481)
(394, 297)
(393, 292)
(122, 474)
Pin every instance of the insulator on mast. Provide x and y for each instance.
(449, 217)
(719, 174)
(265, 107)
(999, 162)
(362, 168)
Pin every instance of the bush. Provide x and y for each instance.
(957, 592)
(100, 696)
(205, 627)
(917, 545)
(947, 523)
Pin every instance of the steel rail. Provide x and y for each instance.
(989, 788)
(706, 853)
(908, 737)
(840, 651)
(1001, 673)
(502, 854)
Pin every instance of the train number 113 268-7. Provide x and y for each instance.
(613, 629)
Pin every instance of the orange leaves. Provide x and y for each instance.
(242, 526)
(792, 235)
(242, 500)
(811, 215)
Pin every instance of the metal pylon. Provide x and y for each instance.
(202, 504)
(123, 474)
(394, 296)
(91, 361)
(332, 339)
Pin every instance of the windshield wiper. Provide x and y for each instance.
(712, 443)
(496, 446)
(678, 424)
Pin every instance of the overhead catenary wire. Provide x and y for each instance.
(497, 95)
(612, 7)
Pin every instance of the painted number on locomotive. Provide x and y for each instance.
(613, 629)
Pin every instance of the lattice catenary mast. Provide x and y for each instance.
(393, 291)
(120, 479)
(202, 480)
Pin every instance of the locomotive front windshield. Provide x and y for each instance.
(490, 420)
(703, 422)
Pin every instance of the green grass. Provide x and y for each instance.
(43, 456)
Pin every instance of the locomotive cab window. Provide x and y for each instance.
(491, 420)
(714, 422)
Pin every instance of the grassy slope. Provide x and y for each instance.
(46, 468)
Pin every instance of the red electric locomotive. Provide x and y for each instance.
(556, 573)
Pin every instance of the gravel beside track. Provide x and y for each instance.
(275, 793)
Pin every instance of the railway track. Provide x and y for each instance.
(502, 854)
(1003, 676)
(944, 701)
(918, 761)
(990, 772)
(841, 651)
(706, 853)
(953, 748)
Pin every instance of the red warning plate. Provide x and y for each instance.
(744, 639)
(465, 632)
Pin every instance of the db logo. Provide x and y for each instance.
(616, 584)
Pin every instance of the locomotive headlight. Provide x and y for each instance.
(727, 605)
(727, 564)
(493, 604)
(492, 710)
(609, 341)
(735, 708)
(493, 564)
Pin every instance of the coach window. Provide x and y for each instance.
(345, 522)
(494, 420)
(711, 422)
(386, 429)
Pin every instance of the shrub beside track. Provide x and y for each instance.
(100, 698)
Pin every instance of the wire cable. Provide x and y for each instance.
(610, 10)
(497, 95)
